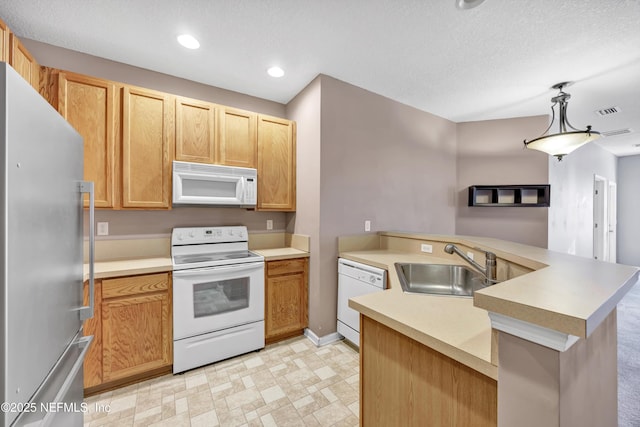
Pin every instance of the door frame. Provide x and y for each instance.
(612, 202)
(600, 218)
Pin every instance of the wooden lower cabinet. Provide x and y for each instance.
(286, 298)
(93, 326)
(135, 331)
(405, 383)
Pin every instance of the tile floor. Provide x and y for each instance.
(292, 383)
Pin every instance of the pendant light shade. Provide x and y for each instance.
(564, 142)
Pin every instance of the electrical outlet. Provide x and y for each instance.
(367, 225)
(102, 229)
(426, 248)
(269, 224)
(470, 255)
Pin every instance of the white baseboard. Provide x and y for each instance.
(320, 341)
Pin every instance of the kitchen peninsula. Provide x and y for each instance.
(546, 333)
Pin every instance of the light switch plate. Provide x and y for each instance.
(269, 224)
(367, 225)
(102, 229)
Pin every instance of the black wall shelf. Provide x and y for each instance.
(510, 195)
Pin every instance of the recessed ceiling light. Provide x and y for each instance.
(468, 4)
(275, 72)
(188, 41)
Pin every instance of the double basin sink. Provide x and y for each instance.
(439, 279)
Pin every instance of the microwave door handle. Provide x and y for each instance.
(241, 188)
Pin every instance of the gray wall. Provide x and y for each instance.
(629, 210)
(161, 222)
(305, 110)
(65, 59)
(372, 158)
(491, 153)
(571, 211)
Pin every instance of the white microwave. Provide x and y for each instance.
(202, 184)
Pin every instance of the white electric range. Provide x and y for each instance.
(218, 295)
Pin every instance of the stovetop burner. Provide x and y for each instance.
(213, 257)
(201, 247)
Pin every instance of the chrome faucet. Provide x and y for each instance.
(489, 271)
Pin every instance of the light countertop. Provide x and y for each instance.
(133, 266)
(449, 325)
(129, 267)
(565, 293)
(275, 254)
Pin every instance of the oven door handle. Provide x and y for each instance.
(236, 267)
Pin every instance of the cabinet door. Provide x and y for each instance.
(89, 105)
(196, 130)
(93, 326)
(238, 139)
(136, 325)
(286, 299)
(4, 42)
(22, 61)
(276, 164)
(147, 141)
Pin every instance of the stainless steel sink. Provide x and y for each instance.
(439, 279)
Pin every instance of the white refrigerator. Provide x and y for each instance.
(41, 261)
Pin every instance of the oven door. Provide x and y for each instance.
(215, 298)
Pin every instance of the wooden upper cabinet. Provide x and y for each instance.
(276, 164)
(147, 140)
(22, 61)
(238, 138)
(196, 130)
(90, 106)
(4, 42)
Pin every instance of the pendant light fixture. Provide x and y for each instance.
(565, 141)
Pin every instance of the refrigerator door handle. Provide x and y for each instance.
(86, 312)
(61, 387)
(84, 344)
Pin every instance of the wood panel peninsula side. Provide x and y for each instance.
(538, 348)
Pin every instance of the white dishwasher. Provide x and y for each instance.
(355, 279)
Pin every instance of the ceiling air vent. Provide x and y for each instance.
(608, 111)
(616, 132)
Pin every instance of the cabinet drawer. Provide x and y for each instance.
(133, 285)
(287, 266)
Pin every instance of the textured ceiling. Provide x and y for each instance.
(498, 60)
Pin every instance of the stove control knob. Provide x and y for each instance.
(180, 236)
(372, 279)
(230, 232)
(192, 234)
